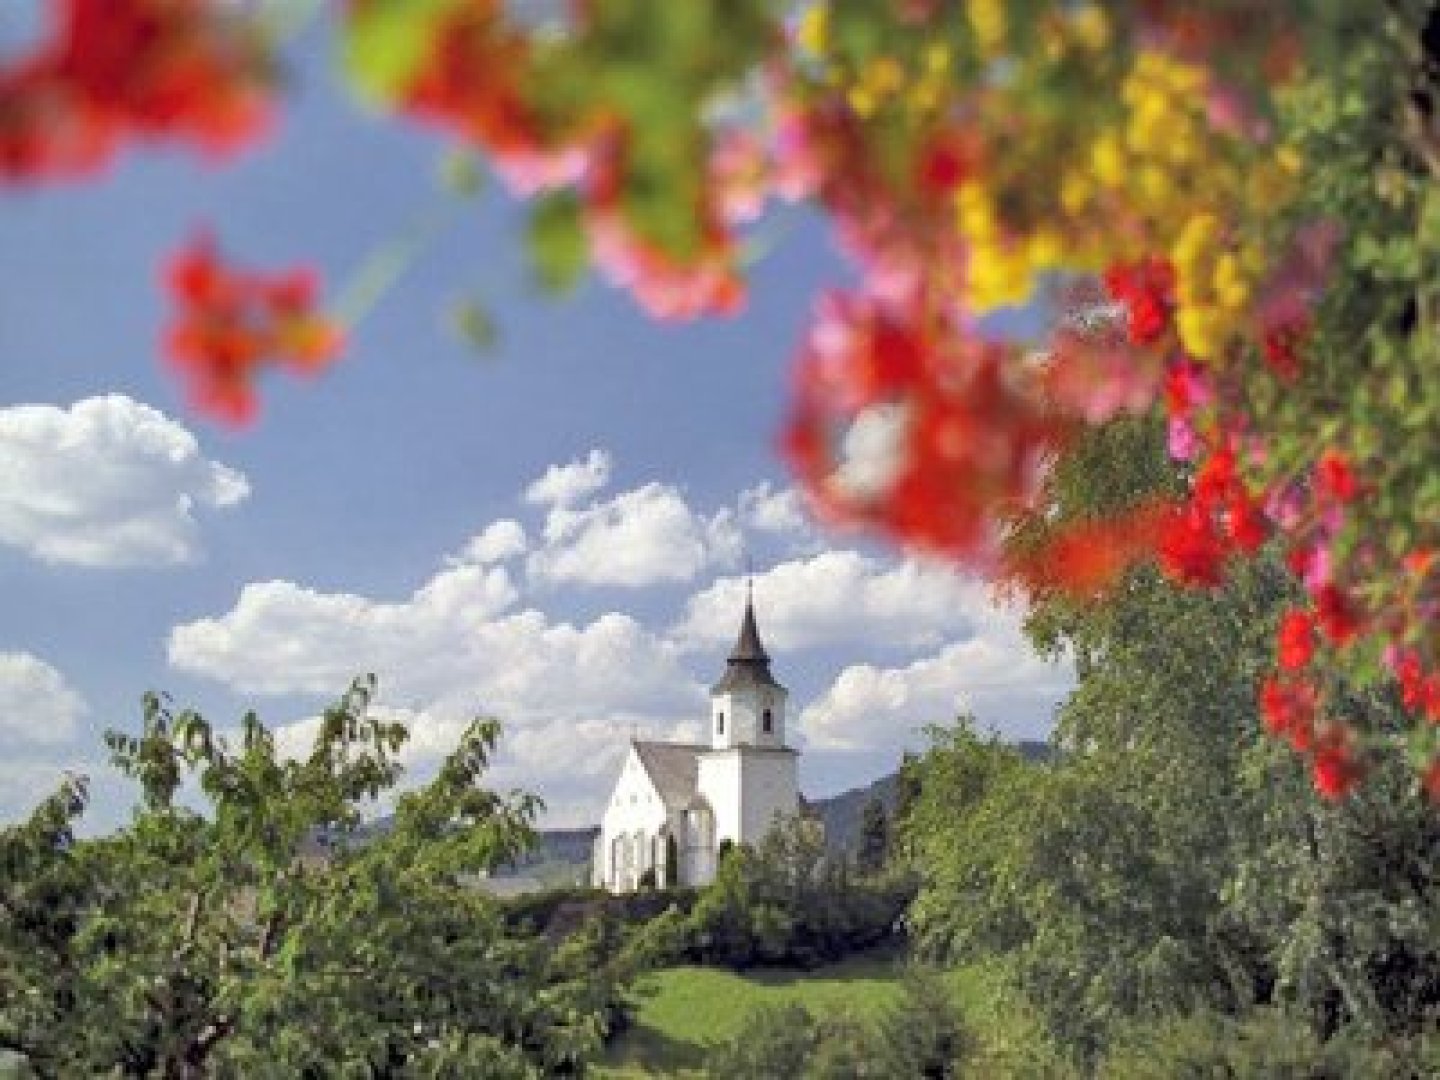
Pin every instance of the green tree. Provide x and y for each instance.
(788, 900)
(921, 1037)
(192, 944)
(924, 1036)
(1172, 857)
(774, 1044)
(874, 848)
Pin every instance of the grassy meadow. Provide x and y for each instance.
(682, 1010)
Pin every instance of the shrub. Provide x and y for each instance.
(921, 1038)
(774, 1044)
(1264, 1043)
(925, 1035)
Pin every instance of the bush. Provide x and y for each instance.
(775, 1044)
(925, 1035)
(788, 902)
(1264, 1043)
(560, 912)
(922, 1038)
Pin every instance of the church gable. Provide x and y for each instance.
(673, 768)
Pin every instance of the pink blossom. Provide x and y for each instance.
(1182, 441)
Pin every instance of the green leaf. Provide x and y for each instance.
(473, 322)
(461, 174)
(386, 41)
(559, 250)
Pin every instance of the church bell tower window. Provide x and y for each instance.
(767, 722)
(720, 723)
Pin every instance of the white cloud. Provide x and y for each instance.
(570, 761)
(781, 511)
(281, 637)
(872, 450)
(565, 484)
(108, 482)
(838, 597)
(36, 704)
(500, 540)
(995, 675)
(457, 647)
(640, 537)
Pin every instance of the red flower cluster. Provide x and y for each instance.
(705, 281)
(1220, 519)
(1339, 619)
(1290, 710)
(942, 163)
(474, 83)
(1280, 345)
(1335, 768)
(1147, 289)
(1296, 639)
(1336, 477)
(117, 70)
(964, 438)
(231, 324)
(471, 81)
(1419, 689)
(1087, 557)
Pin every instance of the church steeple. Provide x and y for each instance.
(748, 663)
(747, 645)
(748, 703)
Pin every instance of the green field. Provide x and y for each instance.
(683, 1009)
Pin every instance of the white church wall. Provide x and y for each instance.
(719, 783)
(634, 817)
(748, 787)
(771, 790)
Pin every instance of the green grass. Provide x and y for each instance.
(683, 1010)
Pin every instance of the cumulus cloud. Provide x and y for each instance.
(640, 537)
(37, 705)
(565, 484)
(994, 675)
(499, 541)
(108, 482)
(780, 512)
(570, 760)
(840, 597)
(281, 637)
(459, 646)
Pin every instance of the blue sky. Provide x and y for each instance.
(360, 524)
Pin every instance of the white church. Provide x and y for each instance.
(681, 801)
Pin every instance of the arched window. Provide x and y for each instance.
(719, 723)
(767, 722)
(617, 862)
(698, 860)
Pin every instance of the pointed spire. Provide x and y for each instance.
(748, 661)
(747, 645)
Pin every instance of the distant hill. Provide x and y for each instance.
(562, 857)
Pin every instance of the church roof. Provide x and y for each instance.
(749, 663)
(747, 645)
(674, 768)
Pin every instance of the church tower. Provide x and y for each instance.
(748, 777)
(747, 705)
